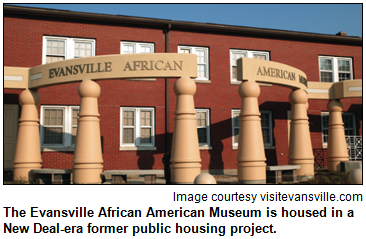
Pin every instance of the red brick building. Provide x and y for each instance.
(37, 36)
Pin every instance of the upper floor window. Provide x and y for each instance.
(202, 60)
(266, 122)
(136, 47)
(137, 128)
(203, 126)
(236, 54)
(58, 127)
(63, 48)
(334, 69)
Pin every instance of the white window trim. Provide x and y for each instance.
(270, 127)
(66, 129)
(335, 70)
(137, 145)
(248, 54)
(69, 46)
(234, 144)
(137, 46)
(324, 113)
(137, 50)
(266, 145)
(193, 50)
(208, 144)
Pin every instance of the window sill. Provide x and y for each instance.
(56, 149)
(202, 81)
(136, 148)
(239, 82)
(235, 147)
(205, 147)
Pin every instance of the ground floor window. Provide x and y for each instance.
(58, 127)
(203, 127)
(348, 121)
(137, 128)
(266, 122)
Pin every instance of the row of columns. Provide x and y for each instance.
(88, 161)
(251, 159)
(185, 159)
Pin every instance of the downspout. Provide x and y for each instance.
(167, 143)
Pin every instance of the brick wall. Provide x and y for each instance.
(23, 48)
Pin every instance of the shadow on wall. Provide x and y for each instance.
(316, 120)
(146, 160)
(279, 113)
(222, 130)
(358, 110)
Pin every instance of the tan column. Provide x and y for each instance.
(251, 157)
(28, 148)
(185, 159)
(300, 149)
(88, 159)
(337, 146)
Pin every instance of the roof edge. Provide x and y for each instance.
(162, 23)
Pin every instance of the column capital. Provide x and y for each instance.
(335, 106)
(249, 89)
(29, 97)
(89, 88)
(298, 96)
(184, 86)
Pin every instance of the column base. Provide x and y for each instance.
(21, 172)
(87, 174)
(184, 173)
(334, 164)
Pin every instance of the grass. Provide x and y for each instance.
(328, 177)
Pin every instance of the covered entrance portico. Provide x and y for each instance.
(186, 162)
(251, 158)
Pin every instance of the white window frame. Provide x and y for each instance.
(325, 144)
(137, 132)
(246, 53)
(268, 145)
(69, 46)
(67, 144)
(207, 144)
(137, 46)
(335, 70)
(196, 50)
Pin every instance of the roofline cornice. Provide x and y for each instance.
(175, 25)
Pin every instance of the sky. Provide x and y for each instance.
(314, 18)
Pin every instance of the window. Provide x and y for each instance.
(203, 126)
(136, 47)
(137, 129)
(58, 127)
(63, 48)
(202, 60)
(334, 69)
(348, 121)
(266, 122)
(236, 54)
